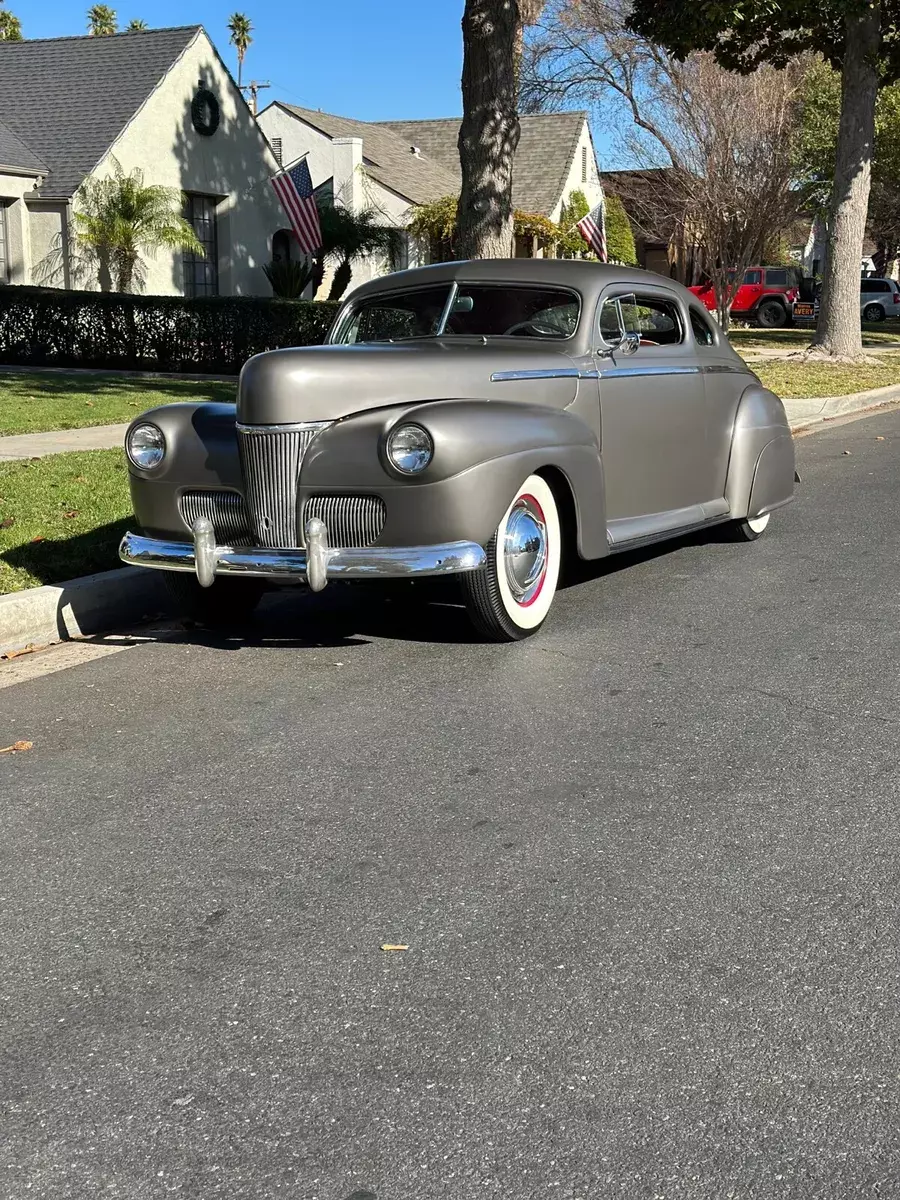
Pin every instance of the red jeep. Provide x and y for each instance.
(766, 296)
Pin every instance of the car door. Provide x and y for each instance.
(652, 414)
(749, 293)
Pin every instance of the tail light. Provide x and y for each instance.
(793, 295)
(897, 297)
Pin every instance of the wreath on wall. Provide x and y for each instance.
(205, 112)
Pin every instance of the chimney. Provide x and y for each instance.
(347, 175)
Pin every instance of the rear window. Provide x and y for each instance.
(875, 285)
(703, 330)
(776, 278)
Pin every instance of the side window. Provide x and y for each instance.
(657, 321)
(776, 278)
(703, 330)
(753, 277)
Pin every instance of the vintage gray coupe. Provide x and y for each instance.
(480, 419)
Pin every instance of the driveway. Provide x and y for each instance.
(645, 865)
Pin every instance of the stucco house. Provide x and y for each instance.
(161, 100)
(391, 166)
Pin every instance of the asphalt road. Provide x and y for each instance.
(646, 866)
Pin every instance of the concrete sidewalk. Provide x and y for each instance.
(61, 441)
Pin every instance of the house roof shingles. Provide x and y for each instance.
(15, 155)
(546, 151)
(387, 158)
(544, 156)
(70, 98)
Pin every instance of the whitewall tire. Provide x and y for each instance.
(750, 528)
(510, 597)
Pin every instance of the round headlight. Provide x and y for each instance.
(145, 446)
(410, 449)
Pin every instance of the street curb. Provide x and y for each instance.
(78, 608)
(813, 411)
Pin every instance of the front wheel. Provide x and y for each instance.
(510, 597)
(748, 529)
(873, 312)
(227, 602)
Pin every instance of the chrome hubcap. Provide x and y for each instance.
(525, 549)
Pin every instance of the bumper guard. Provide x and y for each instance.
(316, 564)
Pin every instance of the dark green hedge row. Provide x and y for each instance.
(43, 327)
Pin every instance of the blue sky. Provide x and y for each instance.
(355, 57)
(359, 58)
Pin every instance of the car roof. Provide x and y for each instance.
(574, 273)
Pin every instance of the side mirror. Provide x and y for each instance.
(622, 339)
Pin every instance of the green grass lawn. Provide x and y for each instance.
(33, 403)
(795, 339)
(61, 517)
(799, 379)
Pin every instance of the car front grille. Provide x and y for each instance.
(350, 520)
(271, 456)
(226, 510)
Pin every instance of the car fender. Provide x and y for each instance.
(761, 464)
(483, 451)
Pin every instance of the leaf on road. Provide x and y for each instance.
(846, 453)
(879, 438)
(390, 946)
(16, 747)
(29, 649)
(73, 512)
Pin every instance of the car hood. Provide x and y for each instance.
(325, 383)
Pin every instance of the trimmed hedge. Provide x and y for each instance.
(44, 327)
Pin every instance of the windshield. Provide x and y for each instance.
(466, 310)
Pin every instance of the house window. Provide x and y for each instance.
(584, 164)
(201, 274)
(4, 246)
(276, 150)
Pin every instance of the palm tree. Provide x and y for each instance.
(119, 218)
(240, 29)
(135, 25)
(10, 27)
(346, 236)
(101, 21)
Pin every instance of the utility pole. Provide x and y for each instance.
(254, 87)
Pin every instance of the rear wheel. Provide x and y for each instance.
(873, 312)
(771, 314)
(510, 597)
(227, 602)
(748, 529)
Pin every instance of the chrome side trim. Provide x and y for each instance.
(375, 562)
(623, 372)
(542, 373)
(296, 427)
(724, 369)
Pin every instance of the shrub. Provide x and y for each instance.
(619, 236)
(44, 327)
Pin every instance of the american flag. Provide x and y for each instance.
(593, 229)
(295, 191)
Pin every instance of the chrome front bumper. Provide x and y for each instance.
(316, 564)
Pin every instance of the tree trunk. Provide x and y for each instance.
(839, 330)
(489, 133)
